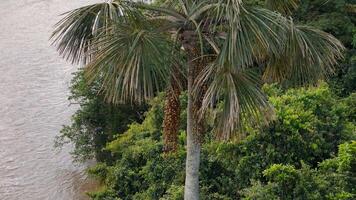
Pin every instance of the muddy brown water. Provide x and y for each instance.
(34, 82)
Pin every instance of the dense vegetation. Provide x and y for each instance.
(308, 152)
(96, 122)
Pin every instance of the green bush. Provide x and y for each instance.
(310, 123)
(95, 122)
(334, 179)
(278, 161)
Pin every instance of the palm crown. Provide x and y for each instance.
(132, 45)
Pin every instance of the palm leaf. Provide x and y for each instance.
(227, 10)
(239, 94)
(73, 34)
(308, 55)
(260, 33)
(132, 60)
(282, 6)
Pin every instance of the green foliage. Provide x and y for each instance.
(310, 124)
(174, 193)
(270, 163)
(141, 170)
(314, 117)
(347, 158)
(334, 179)
(103, 194)
(95, 122)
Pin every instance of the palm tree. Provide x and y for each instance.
(89, 21)
(134, 47)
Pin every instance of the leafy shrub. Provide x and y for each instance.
(310, 124)
(334, 179)
(95, 122)
(274, 162)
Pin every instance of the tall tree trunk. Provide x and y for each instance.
(195, 129)
(191, 189)
(171, 118)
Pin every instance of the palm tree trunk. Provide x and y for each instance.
(171, 118)
(191, 189)
(195, 126)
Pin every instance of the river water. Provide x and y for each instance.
(34, 84)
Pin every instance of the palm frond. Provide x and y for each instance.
(282, 6)
(73, 34)
(228, 10)
(260, 33)
(239, 94)
(167, 11)
(308, 55)
(133, 60)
